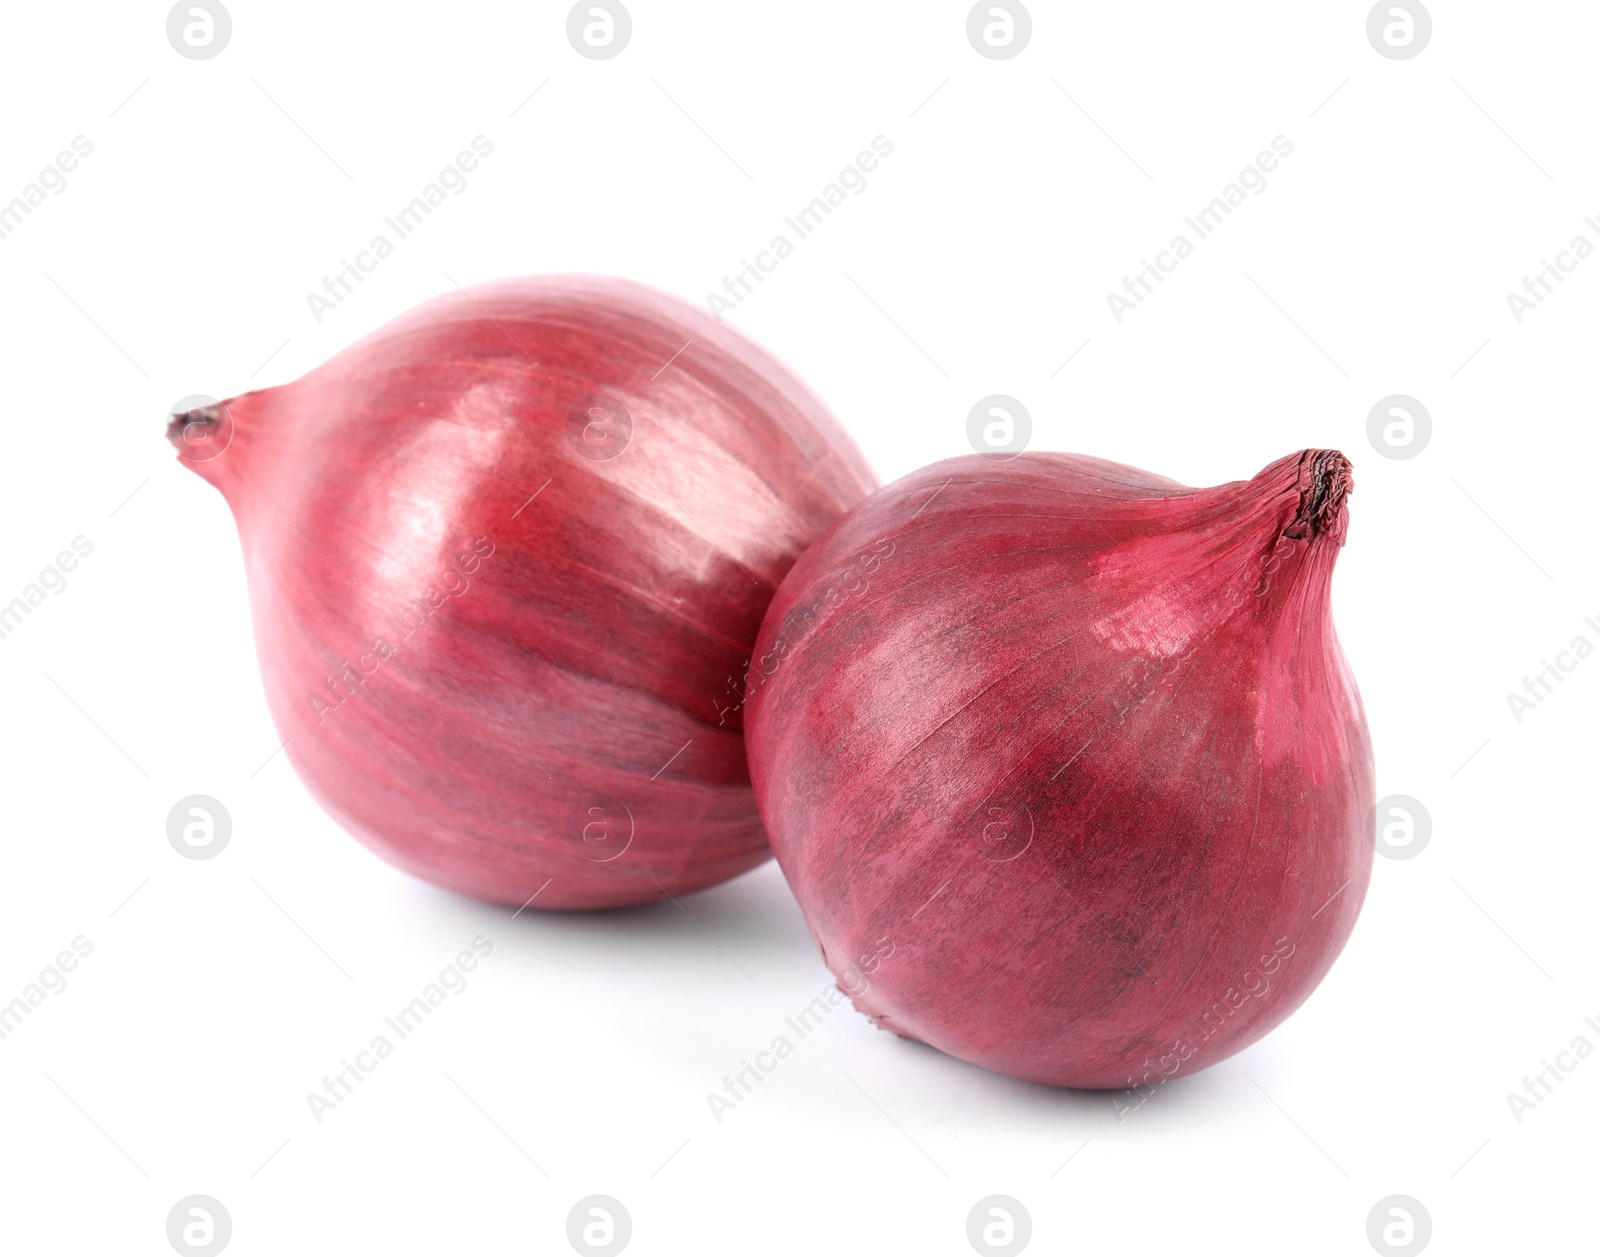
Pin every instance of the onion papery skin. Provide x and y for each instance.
(507, 557)
(1064, 763)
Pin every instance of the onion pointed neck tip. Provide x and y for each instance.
(1325, 483)
(201, 435)
(184, 426)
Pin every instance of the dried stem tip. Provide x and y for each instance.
(1325, 483)
(187, 428)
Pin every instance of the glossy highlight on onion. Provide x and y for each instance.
(1064, 762)
(507, 557)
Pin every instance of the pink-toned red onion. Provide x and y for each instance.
(1064, 762)
(507, 557)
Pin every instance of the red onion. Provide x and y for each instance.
(1064, 763)
(507, 558)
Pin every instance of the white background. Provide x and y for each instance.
(178, 260)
